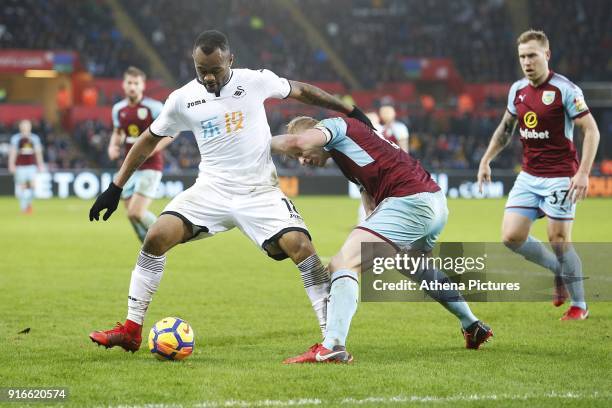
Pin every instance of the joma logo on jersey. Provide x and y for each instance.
(195, 103)
(532, 134)
(530, 119)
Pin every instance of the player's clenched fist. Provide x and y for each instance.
(108, 200)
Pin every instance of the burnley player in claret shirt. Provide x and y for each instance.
(546, 106)
(131, 116)
(406, 212)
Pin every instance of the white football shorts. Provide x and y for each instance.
(262, 213)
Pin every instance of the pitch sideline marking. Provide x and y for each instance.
(371, 400)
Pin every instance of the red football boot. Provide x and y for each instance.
(319, 354)
(477, 334)
(560, 293)
(575, 313)
(129, 340)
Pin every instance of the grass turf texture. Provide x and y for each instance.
(64, 276)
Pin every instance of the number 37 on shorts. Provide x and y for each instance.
(543, 195)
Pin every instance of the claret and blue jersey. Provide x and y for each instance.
(367, 159)
(545, 117)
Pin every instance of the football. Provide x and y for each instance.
(171, 339)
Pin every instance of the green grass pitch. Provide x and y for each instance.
(63, 276)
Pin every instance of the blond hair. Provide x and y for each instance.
(133, 71)
(301, 123)
(532, 34)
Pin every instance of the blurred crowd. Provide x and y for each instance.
(261, 35)
(581, 36)
(84, 26)
(454, 144)
(477, 35)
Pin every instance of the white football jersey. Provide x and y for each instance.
(231, 130)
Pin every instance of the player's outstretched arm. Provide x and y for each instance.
(296, 144)
(501, 138)
(109, 199)
(580, 182)
(163, 144)
(141, 150)
(313, 95)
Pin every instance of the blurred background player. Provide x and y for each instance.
(131, 116)
(392, 129)
(406, 212)
(237, 185)
(546, 107)
(25, 160)
(375, 119)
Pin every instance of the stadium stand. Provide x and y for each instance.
(450, 123)
(280, 47)
(580, 36)
(85, 26)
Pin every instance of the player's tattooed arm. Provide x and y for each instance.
(141, 150)
(313, 95)
(501, 138)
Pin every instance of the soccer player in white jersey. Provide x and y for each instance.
(546, 106)
(237, 185)
(25, 160)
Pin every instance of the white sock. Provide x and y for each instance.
(316, 282)
(146, 276)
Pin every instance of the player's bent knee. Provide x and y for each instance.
(155, 242)
(558, 238)
(294, 244)
(513, 239)
(164, 234)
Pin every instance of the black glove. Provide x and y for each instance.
(108, 200)
(356, 113)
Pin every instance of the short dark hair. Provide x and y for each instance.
(210, 40)
(133, 71)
